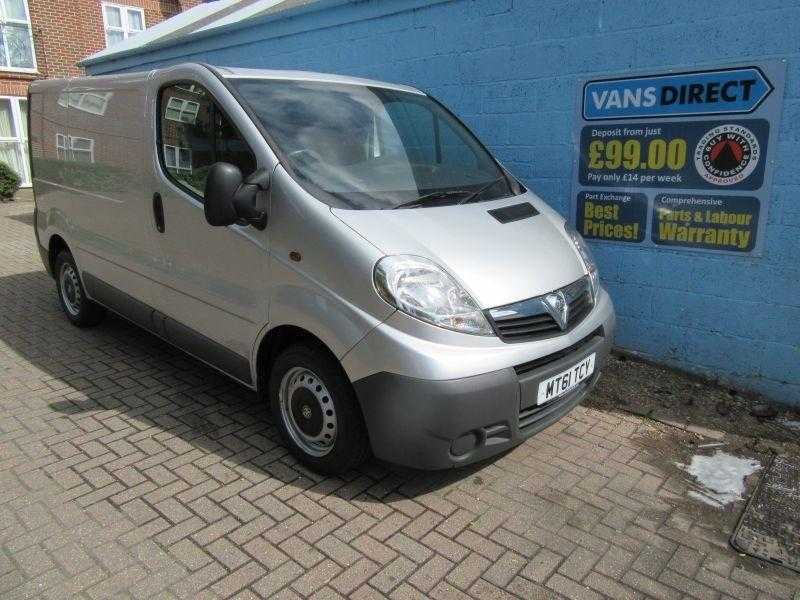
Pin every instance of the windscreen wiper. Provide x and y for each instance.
(480, 191)
(433, 197)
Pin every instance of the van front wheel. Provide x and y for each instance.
(315, 408)
(79, 309)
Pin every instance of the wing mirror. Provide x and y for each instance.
(229, 198)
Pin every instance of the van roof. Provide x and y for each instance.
(242, 73)
(136, 77)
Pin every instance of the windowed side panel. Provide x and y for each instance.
(187, 123)
(195, 134)
(215, 279)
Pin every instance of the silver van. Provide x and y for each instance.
(347, 248)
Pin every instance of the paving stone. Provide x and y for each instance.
(392, 574)
(223, 551)
(467, 571)
(431, 573)
(301, 551)
(541, 566)
(571, 589)
(316, 577)
(241, 577)
(190, 554)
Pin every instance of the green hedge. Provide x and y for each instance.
(9, 181)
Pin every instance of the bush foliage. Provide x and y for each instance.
(9, 181)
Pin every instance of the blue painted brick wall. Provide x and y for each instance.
(510, 68)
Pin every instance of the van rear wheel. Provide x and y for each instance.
(81, 311)
(315, 409)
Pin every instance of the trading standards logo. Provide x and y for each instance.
(727, 154)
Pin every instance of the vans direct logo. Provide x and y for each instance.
(727, 154)
(722, 91)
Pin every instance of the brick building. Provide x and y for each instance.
(46, 38)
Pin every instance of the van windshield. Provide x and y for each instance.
(373, 148)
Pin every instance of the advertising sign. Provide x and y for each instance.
(679, 160)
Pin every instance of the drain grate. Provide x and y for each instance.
(770, 526)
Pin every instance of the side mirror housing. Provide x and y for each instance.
(222, 183)
(231, 199)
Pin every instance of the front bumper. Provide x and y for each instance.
(436, 424)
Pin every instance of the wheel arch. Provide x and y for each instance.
(281, 337)
(275, 341)
(55, 245)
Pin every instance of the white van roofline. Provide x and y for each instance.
(242, 73)
(132, 77)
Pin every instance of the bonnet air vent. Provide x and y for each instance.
(516, 212)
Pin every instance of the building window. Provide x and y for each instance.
(121, 22)
(16, 41)
(14, 136)
(177, 158)
(78, 149)
(183, 111)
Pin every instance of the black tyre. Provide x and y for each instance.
(81, 311)
(315, 409)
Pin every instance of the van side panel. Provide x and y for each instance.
(48, 120)
(107, 171)
(89, 173)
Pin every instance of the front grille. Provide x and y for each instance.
(531, 365)
(531, 320)
(532, 415)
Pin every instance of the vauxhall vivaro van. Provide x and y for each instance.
(347, 248)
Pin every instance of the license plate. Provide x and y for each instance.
(565, 381)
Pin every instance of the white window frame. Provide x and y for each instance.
(27, 21)
(66, 100)
(177, 165)
(183, 109)
(62, 147)
(65, 144)
(16, 116)
(123, 9)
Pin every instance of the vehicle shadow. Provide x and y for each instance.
(127, 381)
(25, 218)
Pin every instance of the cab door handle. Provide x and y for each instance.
(158, 212)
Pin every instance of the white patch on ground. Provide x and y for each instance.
(789, 424)
(721, 477)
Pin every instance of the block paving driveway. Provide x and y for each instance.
(130, 470)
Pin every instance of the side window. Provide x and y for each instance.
(195, 134)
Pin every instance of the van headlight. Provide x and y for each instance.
(586, 256)
(420, 288)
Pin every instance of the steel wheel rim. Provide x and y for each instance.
(70, 289)
(307, 411)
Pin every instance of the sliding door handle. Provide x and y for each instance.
(158, 212)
